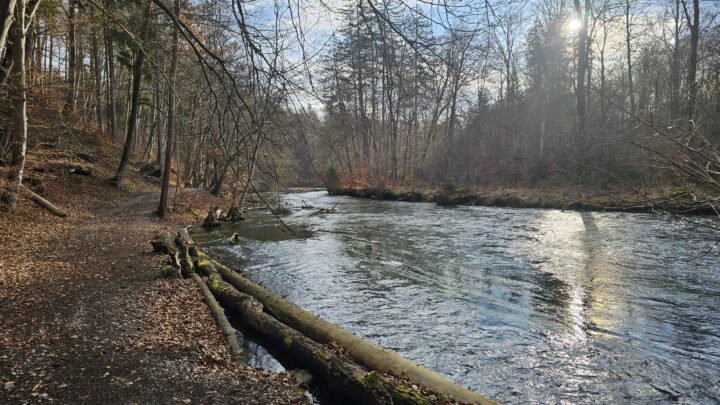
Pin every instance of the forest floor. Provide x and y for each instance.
(84, 315)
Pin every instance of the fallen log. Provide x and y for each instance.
(187, 246)
(83, 171)
(42, 202)
(164, 243)
(340, 375)
(366, 353)
(220, 319)
(184, 240)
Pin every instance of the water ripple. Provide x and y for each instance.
(525, 306)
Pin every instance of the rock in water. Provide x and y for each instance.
(280, 210)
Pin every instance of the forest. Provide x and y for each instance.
(208, 201)
(234, 95)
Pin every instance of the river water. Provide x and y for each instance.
(521, 305)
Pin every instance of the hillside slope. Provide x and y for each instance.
(85, 316)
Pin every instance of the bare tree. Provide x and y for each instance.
(19, 115)
(170, 141)
(134, 101)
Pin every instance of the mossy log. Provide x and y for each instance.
(186, 245)
(184, 240)
(163, 243)
(364, 352)
(340, 375)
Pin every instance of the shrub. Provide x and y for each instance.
(332, 180)
(448, 186)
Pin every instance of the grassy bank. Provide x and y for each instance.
(575, 198)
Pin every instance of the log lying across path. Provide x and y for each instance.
(360, 370)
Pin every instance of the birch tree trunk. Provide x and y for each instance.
(19, 115)
(6, 19)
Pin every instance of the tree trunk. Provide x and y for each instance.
(220, 319)
(19, 114)
(50, 61)
(675, 64)
(98, 79)
(6, 18)
(110, 58)
(251, 173)
(692, 65)
(170, 143)
(134, 105)
(628, 50)
(582, 12)
(71, 74)
(132, 119)
(157, 130)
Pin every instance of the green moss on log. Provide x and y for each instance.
(205, 264)
(168, 271)
(218, 286)
(376, 381)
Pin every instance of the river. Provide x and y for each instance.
(521, 305)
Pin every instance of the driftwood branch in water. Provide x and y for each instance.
(42, 202)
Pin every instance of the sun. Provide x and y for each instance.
(575, 24)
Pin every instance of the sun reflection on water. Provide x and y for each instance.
(574, 253)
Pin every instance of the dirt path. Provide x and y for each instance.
(84, 317)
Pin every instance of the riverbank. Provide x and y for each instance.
(86, 317)
(570, 198)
